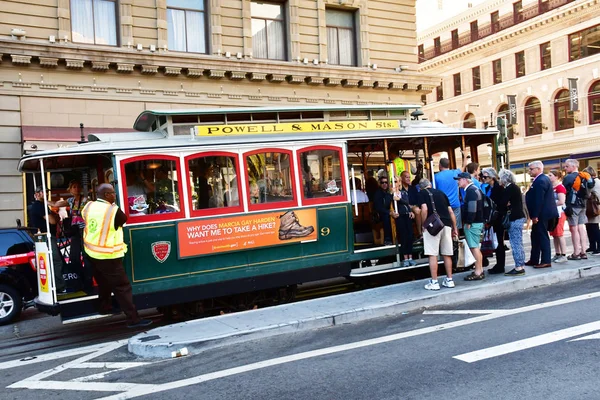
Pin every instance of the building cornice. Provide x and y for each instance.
(514, 33)
(131, 62)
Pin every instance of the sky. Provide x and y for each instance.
(431, 12)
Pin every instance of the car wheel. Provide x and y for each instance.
(11, 304)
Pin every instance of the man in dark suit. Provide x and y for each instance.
(542, 208)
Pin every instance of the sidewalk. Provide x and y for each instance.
(207, 333)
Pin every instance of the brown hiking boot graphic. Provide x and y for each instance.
(290, 228)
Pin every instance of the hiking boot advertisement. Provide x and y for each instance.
(290, 228)
(218, 235)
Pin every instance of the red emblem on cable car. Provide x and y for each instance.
(43, 271)
(161, 251)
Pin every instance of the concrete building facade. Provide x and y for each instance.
(529, 49)
(101, 62)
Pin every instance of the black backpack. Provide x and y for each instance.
(490, 211)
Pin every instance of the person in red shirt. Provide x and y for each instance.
(560, 195)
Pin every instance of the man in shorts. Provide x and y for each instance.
(442, 242)
(472, 218)
(577, 219)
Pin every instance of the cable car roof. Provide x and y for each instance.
(159, 142)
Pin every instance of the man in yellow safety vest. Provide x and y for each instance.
(103, 243)
(400, 165)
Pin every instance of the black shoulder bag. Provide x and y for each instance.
(433, 223)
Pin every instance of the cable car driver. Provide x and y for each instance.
(103, 242)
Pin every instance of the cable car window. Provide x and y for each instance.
(321, 175)
(152, 187)
(270, 178)
(214, 184)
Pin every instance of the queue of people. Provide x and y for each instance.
(459, 201)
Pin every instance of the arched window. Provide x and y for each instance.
(503, 112)
(563, 116)
(469, 121)
(594, 103)
(533, 117)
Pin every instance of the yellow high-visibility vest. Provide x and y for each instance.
(401, 165)
(100, 238)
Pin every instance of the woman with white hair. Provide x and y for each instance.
(496, 193)
(513, 200)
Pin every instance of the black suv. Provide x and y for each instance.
(18, 276)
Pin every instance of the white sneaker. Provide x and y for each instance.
(449, 283)
(561, 259)
(556, 257)
(432, 285)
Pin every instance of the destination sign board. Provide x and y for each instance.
(295, 127)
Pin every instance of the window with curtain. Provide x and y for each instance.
(594, 103)
(268, 30)
(94, 21)
(563, 116)
(585, 43)
(341, 37)
(186, 25)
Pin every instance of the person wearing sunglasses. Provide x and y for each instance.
(382, 201)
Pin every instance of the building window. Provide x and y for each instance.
(474, 31)
(533, 117)
(186, 20)
(495, 19)
(439, 92)
(517, 12)
(545, 55)
(214, 184)
(476, 78)
(585, 43)
(437, 46)
(421, 53)
(563, 116)
(457, 87)
(268, 30)
(503, 112)
(341, 37)
(321, 174)
(94, 21)
(497, 71)
(520, 63)
(151, 188)
(270, 181)
(594, 103)
(454, 39)
(469, 121)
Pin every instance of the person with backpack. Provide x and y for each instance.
(578, 185)
(592, 211)
(473, 219)
(542, 209)
(496, 194)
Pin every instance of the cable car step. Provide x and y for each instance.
(83, 318)
(386, 268)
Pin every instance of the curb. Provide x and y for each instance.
(142, 344)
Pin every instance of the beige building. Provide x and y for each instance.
(101, 62)
(530, 49)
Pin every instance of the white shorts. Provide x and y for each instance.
(441, 243)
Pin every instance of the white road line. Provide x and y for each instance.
(524, 344)
(141, 391)
(111, 365)
(461, 312)
(78, 386)
(590, 337)
(55, 355)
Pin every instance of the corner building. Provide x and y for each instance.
(101, 62)
(529, 49)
